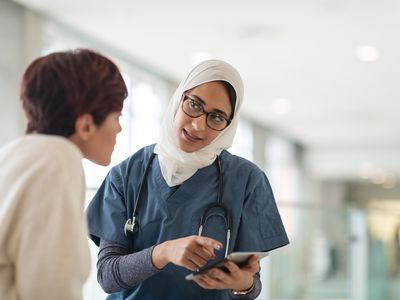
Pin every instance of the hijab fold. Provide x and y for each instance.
(177, 165)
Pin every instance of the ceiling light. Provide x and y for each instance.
(367, 53)
(281, 106)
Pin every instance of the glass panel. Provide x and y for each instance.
(243, 141)
(336, 254)
(384, 250)
(315, 264)
(146, 115)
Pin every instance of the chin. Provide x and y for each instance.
(187, 146)
(184, 148)
(189, 149)
(101, 162)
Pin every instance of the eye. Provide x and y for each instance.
(216, 118)
(194, 105)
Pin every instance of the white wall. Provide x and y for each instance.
(20, 40)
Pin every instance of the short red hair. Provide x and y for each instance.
(58, 88)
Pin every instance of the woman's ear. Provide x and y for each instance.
(84, 126)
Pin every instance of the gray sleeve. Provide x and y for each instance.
(253, 294)
(118, 270)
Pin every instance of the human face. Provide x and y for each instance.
(193, 134)
(100, 145)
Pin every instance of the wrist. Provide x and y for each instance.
(159, 257)
(245, 291)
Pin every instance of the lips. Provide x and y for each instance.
(191, 137)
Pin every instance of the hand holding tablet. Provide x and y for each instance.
(240, 258)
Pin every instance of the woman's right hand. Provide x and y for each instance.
(191, 252)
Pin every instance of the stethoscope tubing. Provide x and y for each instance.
(132, 226)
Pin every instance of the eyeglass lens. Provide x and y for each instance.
(195, 109)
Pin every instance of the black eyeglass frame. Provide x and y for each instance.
(204, 112)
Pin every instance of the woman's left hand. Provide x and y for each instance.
(237, 279)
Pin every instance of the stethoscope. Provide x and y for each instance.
(132, 226)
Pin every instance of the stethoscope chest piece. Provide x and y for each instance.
(131, 227)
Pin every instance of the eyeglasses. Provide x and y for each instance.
(195, 109)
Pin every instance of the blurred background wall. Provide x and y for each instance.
(320, 115)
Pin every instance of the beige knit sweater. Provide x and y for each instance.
(44, 251)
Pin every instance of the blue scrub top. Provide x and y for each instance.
(167, 213)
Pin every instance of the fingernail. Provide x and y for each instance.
(217, 246)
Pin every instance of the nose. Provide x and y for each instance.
(199, 123)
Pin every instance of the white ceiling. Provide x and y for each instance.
(345, 111)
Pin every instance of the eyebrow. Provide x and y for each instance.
(197, 98)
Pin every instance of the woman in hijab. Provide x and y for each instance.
(176, 206)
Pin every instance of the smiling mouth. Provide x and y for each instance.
(190, 137)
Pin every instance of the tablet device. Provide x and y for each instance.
(240, 258)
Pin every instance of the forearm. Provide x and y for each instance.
(253, 293)
(119, 270)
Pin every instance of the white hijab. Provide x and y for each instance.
(177, 165)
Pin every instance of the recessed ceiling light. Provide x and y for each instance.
(281, 106)
(367, 53)
(199, 56)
